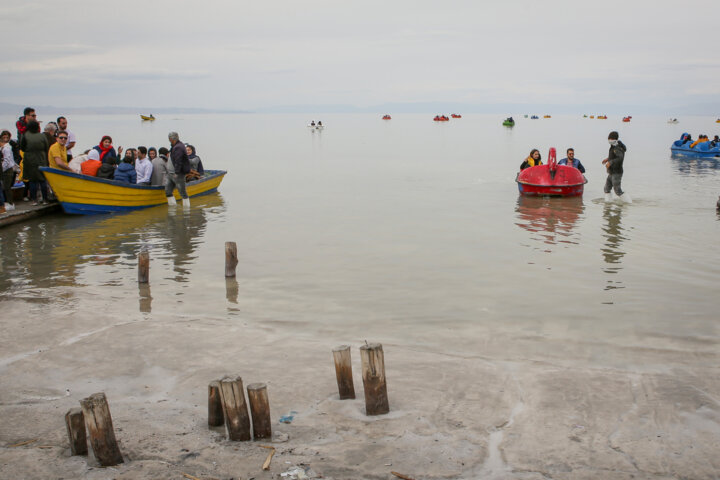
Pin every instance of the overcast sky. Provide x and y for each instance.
(250, 55)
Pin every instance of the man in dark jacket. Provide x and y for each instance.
(22, 123)
(178, 166)
(614, 165)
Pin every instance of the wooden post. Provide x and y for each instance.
(145, 297)
(260, 410)
(373, 373)
(99, 426)
(343, 372)
(231, 259)
(237, 421)
(215, 411)
(144, 267)
(75, 423)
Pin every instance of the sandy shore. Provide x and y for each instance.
(491, 402)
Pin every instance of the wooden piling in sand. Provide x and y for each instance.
(373, 373)
(143, 267)
(75, 423)
(231, 259)
(215, 410)
(99, 425)
(343, 372)
(260, 410)
(237, 421)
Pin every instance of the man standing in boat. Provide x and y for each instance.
(614, 165)
(178, 166)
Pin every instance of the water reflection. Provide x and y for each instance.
(551, 219)
(51, 251)
(614, 237)
(695, 167)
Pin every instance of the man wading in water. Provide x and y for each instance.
(614, 165)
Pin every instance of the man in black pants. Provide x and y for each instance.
(614, 165)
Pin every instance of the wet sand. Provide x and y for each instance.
(494, 402)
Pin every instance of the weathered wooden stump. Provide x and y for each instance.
(146, 298)
(231, 259)
(260, 410)
(215, 410)
(143, 267)
(237, 421)
(343, 372)
(99, 425)
(373, 373)
(75, 423)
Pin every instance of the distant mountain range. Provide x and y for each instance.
(416, 107)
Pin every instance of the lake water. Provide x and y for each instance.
(407, 222)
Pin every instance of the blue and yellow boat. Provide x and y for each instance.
(85, 195)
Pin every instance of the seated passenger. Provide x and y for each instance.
(532, 160)
(76, 163)
(92, 164)
(143, 167)
(195, 161)
(125, 172)
(715, 141)
(105, 149)
(701, 139)
(686, 138)
(160, 168)
(571, 161)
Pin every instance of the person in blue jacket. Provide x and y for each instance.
(572, 161)
(125, 172)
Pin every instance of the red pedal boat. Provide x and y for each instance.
(551, 180)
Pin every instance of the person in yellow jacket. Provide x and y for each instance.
(701, 139)
(532, 160)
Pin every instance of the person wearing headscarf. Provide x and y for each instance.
(92, 164)
(106, 150)
(195, 161)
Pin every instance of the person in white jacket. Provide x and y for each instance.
(143, 167)
(9, 168)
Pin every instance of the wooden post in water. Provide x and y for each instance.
(75, 423)
(237, 421)
(144, 267)
(260, 410)
(343, 372)
(231, 259)
(373, 373)
(99, 425)
(215, 410)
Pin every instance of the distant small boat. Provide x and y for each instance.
(387, 117)
(627, 119)
(584, 116)
(592, 116)
(509, 122)
(441, 118)
(547, 116)
(534, 117)
(148, 117)
(602, 117)
(717, 121)
(526, 116)
(675, 120)
(456, 115)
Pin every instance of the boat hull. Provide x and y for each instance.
(540, 181)
(701, 150)
(85, 195)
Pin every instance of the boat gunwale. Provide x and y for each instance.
(550, 186)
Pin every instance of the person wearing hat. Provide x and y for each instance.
(614, 165)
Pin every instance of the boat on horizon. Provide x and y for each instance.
(148, 117)
(551, 179)
(85, 195)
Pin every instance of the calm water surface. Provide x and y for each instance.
(405, 221)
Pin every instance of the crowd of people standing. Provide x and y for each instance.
(53, 147)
